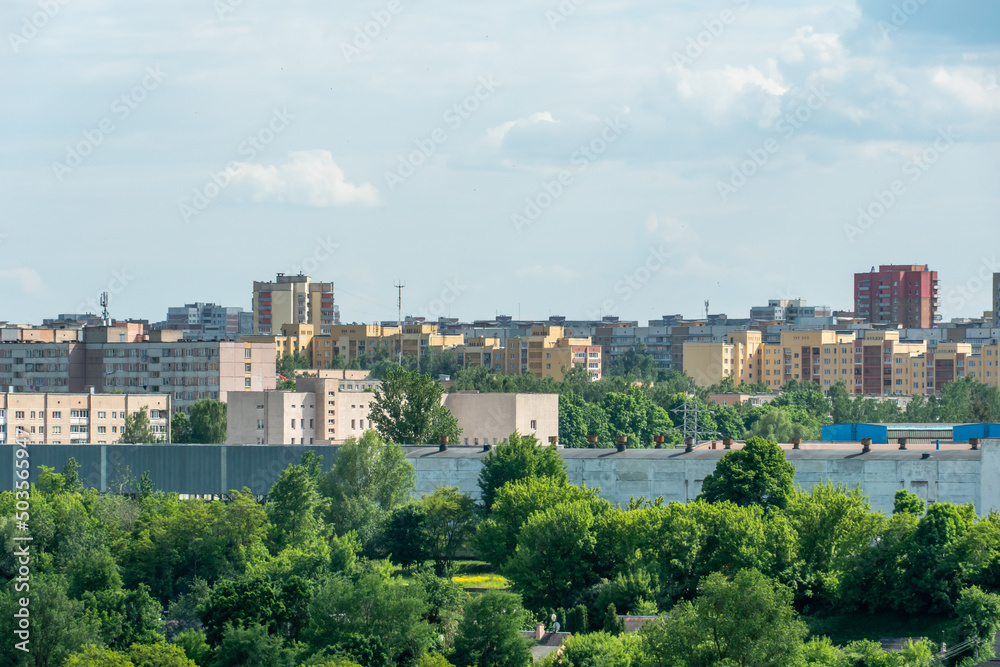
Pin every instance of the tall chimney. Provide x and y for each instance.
(539, 631)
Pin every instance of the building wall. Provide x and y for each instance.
(490, 418)
(77, 418)
(897, 294)
(953, 476)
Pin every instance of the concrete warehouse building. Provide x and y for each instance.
(954, 474)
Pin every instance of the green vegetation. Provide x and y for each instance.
(407, 409)
(341, 566)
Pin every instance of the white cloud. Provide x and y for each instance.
(22, 278)
(825, 47)
(497, 134)
(309, 178)
(973, 86)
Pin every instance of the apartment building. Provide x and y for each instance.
(546, 351)
(293, 300)
(898, 294)
(208, 321)
(486, 419)
(121, 358)
(320, 411)
(57, 419)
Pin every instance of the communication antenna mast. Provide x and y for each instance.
(706, 310)
(105, 318)
(399, 285)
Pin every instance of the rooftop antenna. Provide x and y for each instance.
(399, 316)
(105, 318)
(706, 310)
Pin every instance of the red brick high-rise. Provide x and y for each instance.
(897, 294)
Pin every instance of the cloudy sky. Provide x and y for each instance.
(632, 158)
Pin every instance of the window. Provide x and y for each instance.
(56, 430)
(533, 424)
(246, 382)
(352, 423)
(293, 423)
(311, 423)
(100, 429)
(32, 414)
(246, 368)
(79, 414)
(260, 424)
(102, 415)
(246, 353)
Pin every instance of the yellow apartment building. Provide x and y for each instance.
(292, 300)
(546, 351)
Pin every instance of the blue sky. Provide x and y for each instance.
(533, 158)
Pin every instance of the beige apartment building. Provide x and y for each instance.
(57, 419)
(292, 300)
(324, 410)
(486, 419)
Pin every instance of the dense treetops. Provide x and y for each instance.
(343, 566)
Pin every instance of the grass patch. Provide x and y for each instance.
(461, 568)
(488, 581)
(844, 628)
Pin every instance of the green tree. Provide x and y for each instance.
(555, 555)
(159, 655)
(60, 625)
(287, 364)
(207, 418)
(71, 476)
(489, 634)
(405, 536)
(746, 620)
(126, 616)
(253, 645)
(613, 625)
(978, 615)
(450, 522)
(373, 619)
(407, 409)
(180, 428)
(241, 603)
(369, 479)
(193, 643)
(98, 656)
(784, 424)
(517, 458)
(295, 506)
(137, 428)
(907, 501)
(497, 535)
(758, 474)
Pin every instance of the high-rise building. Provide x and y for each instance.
(293, 300)
(207, 321)
(996, 300)
(898, 294)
